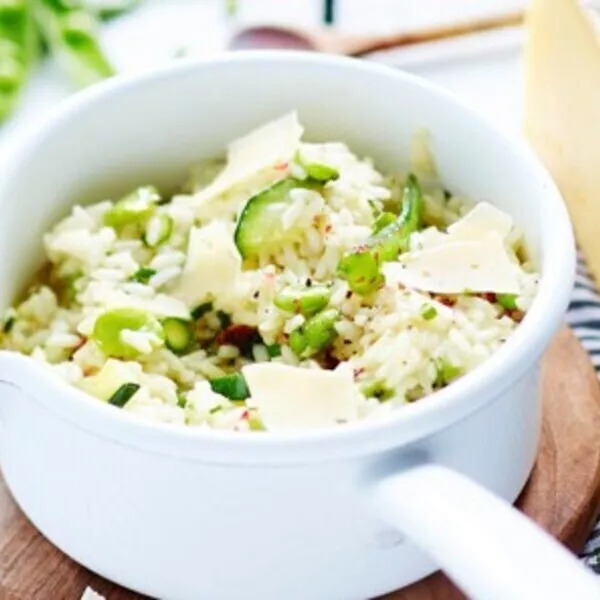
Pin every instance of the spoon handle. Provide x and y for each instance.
(360, 46)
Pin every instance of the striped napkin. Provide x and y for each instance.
(584, 318)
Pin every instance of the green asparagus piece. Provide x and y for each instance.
(70, 31)
(361, 267)
(17, 51)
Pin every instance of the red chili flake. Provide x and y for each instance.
(281, 166)
(446, 300)
(358, 372)
(245, 415)
(328, 228)
(240, 336)
(490, 297)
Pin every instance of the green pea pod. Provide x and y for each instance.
(70, 31)
(18, 51)
(361, 267)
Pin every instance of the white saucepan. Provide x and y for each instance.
(351, 512)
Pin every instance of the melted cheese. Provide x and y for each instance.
(213, 264)
(289, 398)
(562, 110)
(456, 267)
(273, 143)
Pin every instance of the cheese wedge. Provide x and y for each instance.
(273, 143)
(483, 219)
(213, 264)
(456, 267)
(562, 110)
(289, 398)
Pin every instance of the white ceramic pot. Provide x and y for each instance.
(182, 514)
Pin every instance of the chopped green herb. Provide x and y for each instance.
(143, 275)
(507, 301)
(201, 310)
(224, 319)
(428, 312)
(181, 400)
(215, 409)
(232, 386)
(122, 396)
(273, 350)
(8, 324)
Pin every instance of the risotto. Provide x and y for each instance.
(290, 286)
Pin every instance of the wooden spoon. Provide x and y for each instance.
(263, 37)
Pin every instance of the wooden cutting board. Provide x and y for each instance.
(563, 494)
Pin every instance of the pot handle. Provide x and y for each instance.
(492, 551)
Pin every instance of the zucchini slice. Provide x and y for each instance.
(259, 225)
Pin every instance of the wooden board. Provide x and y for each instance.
(563, 494)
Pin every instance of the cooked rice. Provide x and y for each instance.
(384, 338)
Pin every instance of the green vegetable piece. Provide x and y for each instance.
(507, 301)
(361, 267)
(428, 312)
(259, 226)
(18, 52)
(181, 400)
(315, 169)
(362, 271)
(377, 389)
(201, 310)
(273, 350)
(224, 319)
(383, 220)
(136, 207)
(122, 396)
(315, 335)
(232, 386)
(178, 335)
(446, 372)
(307, 301)
(109, 325)
(255, 423)
(158, 230)
(9, 324)
(143, 275)
(70, 31)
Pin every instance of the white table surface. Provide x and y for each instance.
(483, 69)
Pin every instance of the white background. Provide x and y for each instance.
(485, 69)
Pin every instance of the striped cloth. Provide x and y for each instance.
(584, 318)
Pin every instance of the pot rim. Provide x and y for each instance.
(470, 393)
